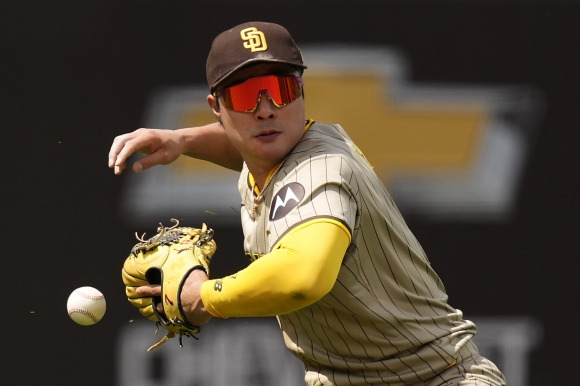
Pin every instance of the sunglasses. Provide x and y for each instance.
(244, 97)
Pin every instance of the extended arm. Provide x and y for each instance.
(162, 147)
(301, 269)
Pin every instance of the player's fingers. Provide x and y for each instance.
(129, 147)
(149, 290)
(118, 169)
(125, 145)
(116, 148)
(160, 148)
(159, 157)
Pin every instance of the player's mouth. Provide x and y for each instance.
(267, 134)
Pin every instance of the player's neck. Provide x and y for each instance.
(259, 181)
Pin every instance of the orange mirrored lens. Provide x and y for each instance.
(243, 97)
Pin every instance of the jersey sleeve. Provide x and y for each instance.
(322, 186)
(300, 270)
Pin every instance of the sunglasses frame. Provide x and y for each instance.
(222, 92)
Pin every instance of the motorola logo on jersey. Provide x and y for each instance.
(285, 200)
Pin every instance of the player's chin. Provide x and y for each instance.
(273, 151)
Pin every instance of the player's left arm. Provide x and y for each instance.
(300, 270)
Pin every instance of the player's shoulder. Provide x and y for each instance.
(323, 155)
(327, 141)
(326, 131)
(322, 138)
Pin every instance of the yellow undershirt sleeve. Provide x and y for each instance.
(300, 270)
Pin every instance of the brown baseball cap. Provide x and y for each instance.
(250, 43)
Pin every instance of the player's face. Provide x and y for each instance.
(274, 124)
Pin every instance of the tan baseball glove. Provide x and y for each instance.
(167, 259)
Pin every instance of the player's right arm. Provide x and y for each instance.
(162, 147)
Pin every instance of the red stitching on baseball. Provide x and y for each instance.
(84, 312)
(89, 296)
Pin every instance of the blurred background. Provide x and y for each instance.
(467, 109)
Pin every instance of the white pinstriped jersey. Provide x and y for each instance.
(386, 320)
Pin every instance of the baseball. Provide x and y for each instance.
(86, 306)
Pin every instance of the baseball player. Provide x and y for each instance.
(356, 297)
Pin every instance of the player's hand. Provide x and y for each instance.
(161, 146)
(191, 302)
(190, 297)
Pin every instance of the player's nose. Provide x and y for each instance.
(265, 108)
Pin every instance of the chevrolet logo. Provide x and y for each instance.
(442, 150)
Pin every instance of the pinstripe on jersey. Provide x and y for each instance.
(386, 320)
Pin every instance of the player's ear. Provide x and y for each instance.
(214, 103)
